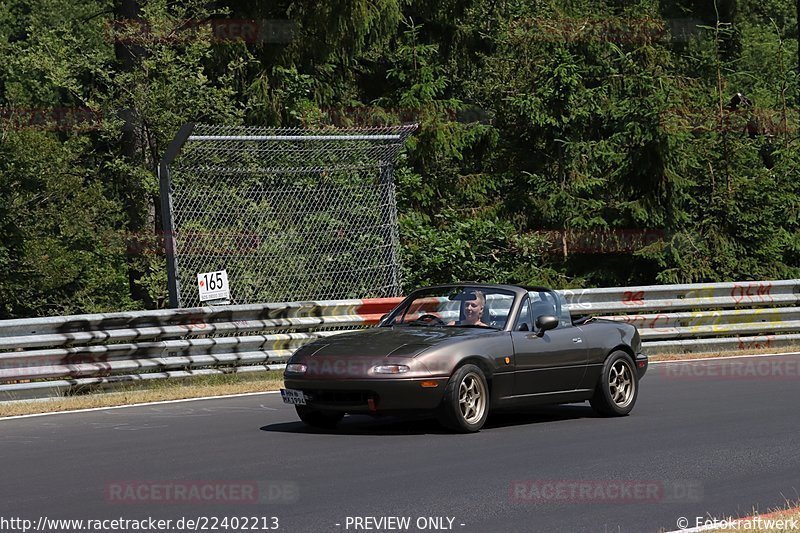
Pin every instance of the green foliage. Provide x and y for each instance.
(60, 251)
(536, 118)
(471, 249)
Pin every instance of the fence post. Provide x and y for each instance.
(167, 225)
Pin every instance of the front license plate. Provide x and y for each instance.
(292, 396)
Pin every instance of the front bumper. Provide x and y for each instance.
(642, 361)
(370, 395)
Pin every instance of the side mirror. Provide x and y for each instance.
(383, 317)
(523, 327)
(544, 323)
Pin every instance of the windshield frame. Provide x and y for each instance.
(507, 290)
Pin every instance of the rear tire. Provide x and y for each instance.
(618, 387)
(318, 419)
(465, 405)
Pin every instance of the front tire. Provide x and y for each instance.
(618, 387)
(465, 405)
(318, 419)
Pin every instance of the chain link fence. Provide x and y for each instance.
(291, 214)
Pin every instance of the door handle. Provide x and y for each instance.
(577, 340)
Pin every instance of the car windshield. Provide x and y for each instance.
(465, 307)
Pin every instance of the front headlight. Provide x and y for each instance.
(390, 369)
(296, 368)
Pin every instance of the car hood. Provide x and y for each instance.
(397, 341)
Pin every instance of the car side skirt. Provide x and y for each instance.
(546, 398)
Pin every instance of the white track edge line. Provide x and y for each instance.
(275, 392)
(722, 358)
(162, 402)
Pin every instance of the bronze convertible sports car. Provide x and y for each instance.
(461, 350)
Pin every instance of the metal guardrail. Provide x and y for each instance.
(701, 318)
(46, 356)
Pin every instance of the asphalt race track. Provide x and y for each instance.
(704, 439)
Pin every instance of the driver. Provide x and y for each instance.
(471, 309)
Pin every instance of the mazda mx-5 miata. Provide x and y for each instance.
(463, 350)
